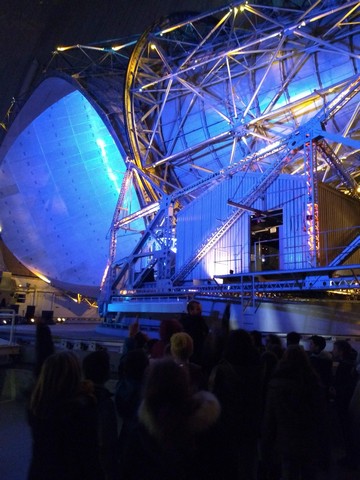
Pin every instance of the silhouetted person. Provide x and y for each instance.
(269, 361)
(162, 346)
(63, 421)
(320, 360)
(44, 345)
(181, 349)
(343, 388)
(96, 367)
(293, 423)
(293, 338)
(194, 324)
(177, 436)
(128, 392)
(256, 338)
(237, 382)
(273, 343)
(136, 338)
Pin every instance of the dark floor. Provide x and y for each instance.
(15, 440)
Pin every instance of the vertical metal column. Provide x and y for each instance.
(312, 206)
(164, 266)
(110, 272)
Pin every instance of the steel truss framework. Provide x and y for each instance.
(244, 88)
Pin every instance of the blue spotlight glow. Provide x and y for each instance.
(60, 180)
(112, 176)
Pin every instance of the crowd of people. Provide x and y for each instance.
(197, 404)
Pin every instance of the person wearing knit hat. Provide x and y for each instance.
(181, 349)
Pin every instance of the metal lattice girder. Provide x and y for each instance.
(247, 286)
(108, 274)
(160, 229)
(218, 87)
(332, 159)
(348, 91)
(303, 136)
(132, 257)
(192, 58)
(260, 187)
(327, 278)
(347, 251)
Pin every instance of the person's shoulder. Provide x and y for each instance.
(280, 382)
(323, 355)
(194, 367)
(206, 413)
(102, 394)
(85, 399)
(185, 321)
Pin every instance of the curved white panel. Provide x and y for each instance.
(60, 182)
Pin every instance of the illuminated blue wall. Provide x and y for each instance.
(60, 181)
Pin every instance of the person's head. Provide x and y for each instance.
(167, 386)
(269, 360)
(342, 350)
(42, 331)
(134, 363)
(168, 327)
(59, 381)
(239, 348)
(273, 339)
(296, 361)
(316, 344)
(256, 338)
(293, 338)
(44, 346)
(140, 340)
(194, 308)
(167, 401)
(181, 346)
(96, 367)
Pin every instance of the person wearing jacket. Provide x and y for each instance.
(96, 368)
(294, 421)
(237, 381)
(63, 421)
(178, 435)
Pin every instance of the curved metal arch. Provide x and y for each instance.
(207, 91)
(243, 88)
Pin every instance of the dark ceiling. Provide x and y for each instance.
(32, 29)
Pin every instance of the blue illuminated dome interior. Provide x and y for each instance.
(60, 182)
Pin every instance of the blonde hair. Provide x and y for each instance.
(59, 381)
(181, 346)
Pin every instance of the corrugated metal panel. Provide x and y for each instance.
(339, 218)
(232, 251)
(289, 193)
